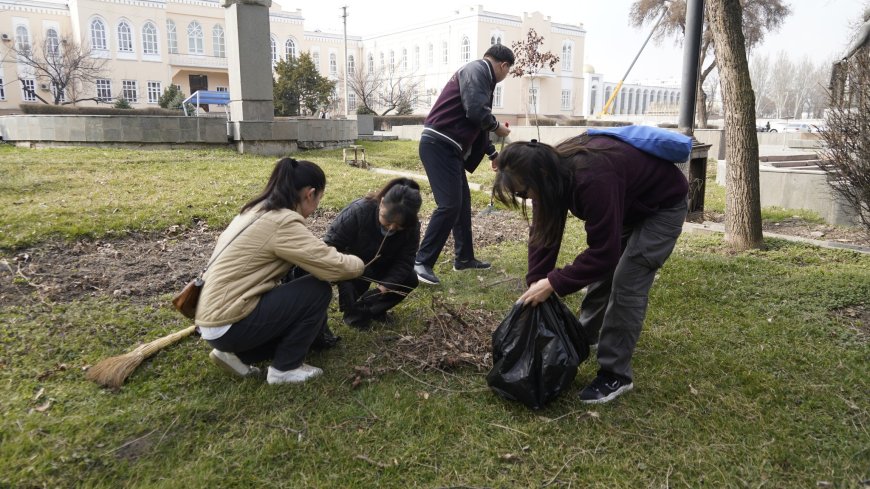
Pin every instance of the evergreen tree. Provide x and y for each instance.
(300, 89)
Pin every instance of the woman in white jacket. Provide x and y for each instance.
(245, 313)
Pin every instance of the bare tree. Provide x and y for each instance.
(760, 73)
(781, 83)
(69, 68)
(384, 89)
(743, 197)
(759, 17)
(803, 82)
(531, 62)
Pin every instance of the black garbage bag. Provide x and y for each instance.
(536, 351)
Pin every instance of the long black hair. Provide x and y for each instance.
(544, 172)
(288, 178)
(401, 199)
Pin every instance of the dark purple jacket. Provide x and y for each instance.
(621, 189)
(462, 115)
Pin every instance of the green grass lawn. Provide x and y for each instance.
(748, 373)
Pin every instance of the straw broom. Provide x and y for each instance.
(112, 372)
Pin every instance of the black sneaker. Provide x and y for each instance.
(604, 389)
(472, 264)
(425, 274)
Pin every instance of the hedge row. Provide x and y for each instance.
(70, 110)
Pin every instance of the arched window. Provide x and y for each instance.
(52, 42)
(125, 37)
(98, 35)
(22, 39)
(195, 38)
(333, 64)
(392, 59)
(371, 63)
(567, 55)
(290, 49)
(495, 39)
(274, 46)
(171, 37)
(315, 59)
(404, 59)
(149, 39)
(465, 50)
(351, 64)
(217, 38)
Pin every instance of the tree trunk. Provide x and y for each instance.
(701, 108)
(742, 197)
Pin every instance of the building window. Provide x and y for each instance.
(154, 92)
(351, 101)
(130, 90)
(465, 50)
(382, 59)
(149, 39)
(315, 59)
(533, 100)
(392, 59)
(290, 49)
(28, 90)
(217, 37)
(567, 55)
(2, 89)
(404, 60)
(104, 90)
(416, 57)
(57, 93)
(195, 38)
(333, 64)
(445, 52)
(497, 96)
(566, 99)
(125, 38)
(98, 35)
(371, 64)
(495, 39)
(171, 37)
(351, 64)
(52, 42)
(431, 54)
(22, 39)
(274, 46)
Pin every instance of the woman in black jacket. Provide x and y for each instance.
(382, 229)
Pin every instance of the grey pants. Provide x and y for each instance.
(614, 309)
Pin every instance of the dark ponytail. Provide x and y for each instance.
(288, 178)
(401, 199)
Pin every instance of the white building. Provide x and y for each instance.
(150, 44)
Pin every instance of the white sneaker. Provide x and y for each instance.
(295, 376)
(230, 363)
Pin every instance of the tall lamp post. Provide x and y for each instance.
(346, 74)
(691, 57)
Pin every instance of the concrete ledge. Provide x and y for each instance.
(132, 129)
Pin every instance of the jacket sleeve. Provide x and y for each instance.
(295, 243)
(403, 262)
(475, 91)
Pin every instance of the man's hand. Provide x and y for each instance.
(538, 292)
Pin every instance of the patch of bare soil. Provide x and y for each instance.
(143, 266)
(795, 226)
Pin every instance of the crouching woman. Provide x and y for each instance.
(383, 229)
(245, 312)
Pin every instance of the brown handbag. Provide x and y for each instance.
(185, 301)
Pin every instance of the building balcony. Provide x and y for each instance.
(197, 61)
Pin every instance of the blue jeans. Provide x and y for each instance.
(614, 309)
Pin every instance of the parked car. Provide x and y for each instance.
(777, 126)
(798, 127)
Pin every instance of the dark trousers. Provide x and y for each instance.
(360, 304)
(446, 173)
(283, 325)
(613, 310)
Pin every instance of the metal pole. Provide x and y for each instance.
(346, 74)
(691, 70)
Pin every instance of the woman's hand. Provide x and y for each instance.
(538, 292)
(382, 289)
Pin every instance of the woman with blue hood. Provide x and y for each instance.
(383, 229)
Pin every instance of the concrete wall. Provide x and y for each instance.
(77, 129)
(799, 188)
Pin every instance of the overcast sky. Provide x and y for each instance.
(820, 29)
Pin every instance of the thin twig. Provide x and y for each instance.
(373, 462)
(167, 431)
(435, 386)
(508, 428)
(565, 465)
(499, 282)
(146, 435)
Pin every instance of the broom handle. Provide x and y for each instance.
(153, 347)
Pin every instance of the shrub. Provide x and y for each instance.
(172, 98)
(122, 103)
(363, 110)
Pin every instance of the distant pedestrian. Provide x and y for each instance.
(454, 139)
